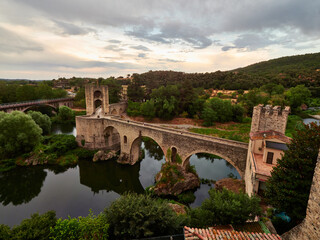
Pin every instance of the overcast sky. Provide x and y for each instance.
(46, 39)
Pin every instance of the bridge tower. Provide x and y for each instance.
(97, 96)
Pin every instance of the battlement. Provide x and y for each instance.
(267, 118)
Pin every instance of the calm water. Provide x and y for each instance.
(309, 120)
(74, 191)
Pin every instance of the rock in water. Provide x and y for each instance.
(104, 155)
(173, 179)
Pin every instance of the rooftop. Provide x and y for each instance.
(262, 167)
(212, 233)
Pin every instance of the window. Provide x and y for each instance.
(269, 157)
(125, 139)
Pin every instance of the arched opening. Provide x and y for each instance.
(173, 154)
(210, 168)
(97, 103)
(97, 94)
(114, 112)
(112, 139)
(152, 156)
(125, 140)
(44, 109)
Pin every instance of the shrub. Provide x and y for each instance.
(225, 207)
(137, 216)
(5, 232)
(90, 227)
(186, 197)
(37, 227)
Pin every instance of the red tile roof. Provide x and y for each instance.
(212, 233)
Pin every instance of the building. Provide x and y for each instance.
(267, 144)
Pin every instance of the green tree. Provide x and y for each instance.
(18, 134)
(135, 92)
(289, 185)
(216, 109)
(65, 114)
(237, 113)
(298, 95)
(43, 121)
(147, 109)
(138, 216)
(225, 207)
(35, 228)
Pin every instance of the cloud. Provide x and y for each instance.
(114, 41)
(12, 42)
(72, 29)
(114, 48)
(142, 55)
(250, 42)
(141, 47)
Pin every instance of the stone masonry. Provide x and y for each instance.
(309, 229)
(269, 118)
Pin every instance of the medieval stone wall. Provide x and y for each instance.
(309, 229)
(269, 118)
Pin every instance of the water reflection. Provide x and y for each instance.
(310, 120)
(68, 128)
(110, 176)
(21, 185)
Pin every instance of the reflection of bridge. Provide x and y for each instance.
(23, 106)
(111, 132)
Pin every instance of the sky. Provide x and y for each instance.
(48, 39)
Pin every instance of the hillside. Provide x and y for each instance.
(307, 63)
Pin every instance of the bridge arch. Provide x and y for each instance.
(135, 148)
(26, 109)
(111, 138)
(186, 161)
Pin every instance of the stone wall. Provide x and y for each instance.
(269, 118)
(310, 227)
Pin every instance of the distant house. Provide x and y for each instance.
(267, 144)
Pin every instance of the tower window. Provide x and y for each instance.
(270, 157)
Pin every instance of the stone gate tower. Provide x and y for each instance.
(267, 143)
(97, 96)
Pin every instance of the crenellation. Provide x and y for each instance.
(269, 118)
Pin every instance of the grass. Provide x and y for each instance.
(238, 131)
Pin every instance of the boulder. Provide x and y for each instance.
(104, 155)
(173, 179)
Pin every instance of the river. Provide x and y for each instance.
(73, 191)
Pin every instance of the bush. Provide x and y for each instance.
(138, 216)
(60, 143)
(90, 227)
(84, 154)
(225, 207)
(186, 197)
(5, 232)
(37, 227)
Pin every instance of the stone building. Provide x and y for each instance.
(267, 143)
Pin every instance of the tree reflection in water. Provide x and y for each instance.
(21, 185)
(153, 149)
(110, 176)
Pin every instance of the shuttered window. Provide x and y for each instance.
(270, 157)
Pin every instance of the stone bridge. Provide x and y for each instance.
(24, 106)
(111, 132)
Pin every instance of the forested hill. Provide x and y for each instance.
(301, 64)
(288, 71)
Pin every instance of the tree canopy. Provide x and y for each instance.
(43, 121)
(18, 134)
(289, 185)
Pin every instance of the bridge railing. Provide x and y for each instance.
(38, 101)
(241, 144)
